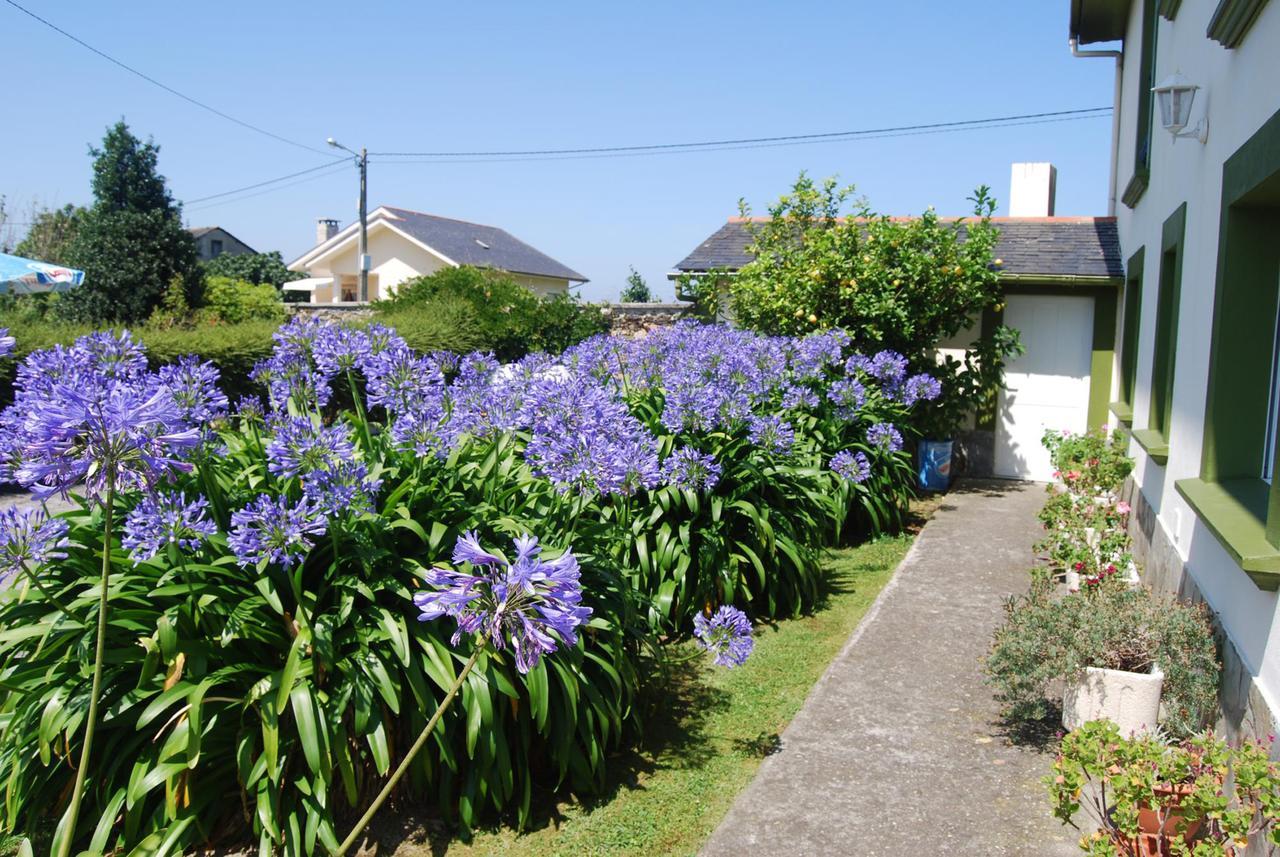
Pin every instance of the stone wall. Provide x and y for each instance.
(639, 319)
(331, 312)
(1244, 711)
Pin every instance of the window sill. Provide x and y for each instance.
(1123, 412)
(1154, 443)
(1235, 512)
(1136, 188)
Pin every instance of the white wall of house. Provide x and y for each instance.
(1239, 92)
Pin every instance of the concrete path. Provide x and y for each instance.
(898, 750)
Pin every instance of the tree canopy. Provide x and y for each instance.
(636, 290)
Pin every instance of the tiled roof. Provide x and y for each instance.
(197, 231)
(1028, 247)
(479, 245)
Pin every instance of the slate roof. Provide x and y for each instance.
(476, 244)
(1028, 246)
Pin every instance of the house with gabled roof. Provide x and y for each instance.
(404, 244)
(214, 241)
(1061, 278)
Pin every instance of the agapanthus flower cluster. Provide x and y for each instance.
(919, 388)
(884, 437)
(28, 540)
(7, 342)
(853, 466)
(194, 385)
(166, 518)
(334, 480)
(274, 530)
(727, 635)
(530, 605)
(290, 372)
(771, 433)
(688, 468)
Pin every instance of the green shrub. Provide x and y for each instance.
(510, 319)
(1090, 462)
(1047, 640)
(233, 301)
(445, 323)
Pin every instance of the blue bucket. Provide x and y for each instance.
(934, 459)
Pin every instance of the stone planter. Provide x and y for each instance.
(1130, 700)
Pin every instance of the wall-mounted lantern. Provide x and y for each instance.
(1175, 95)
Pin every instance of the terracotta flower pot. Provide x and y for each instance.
(1155, 838)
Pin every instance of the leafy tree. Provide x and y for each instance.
(130, 243)
(637, 290)
(824, 259)
(51, 233)
(252, 268)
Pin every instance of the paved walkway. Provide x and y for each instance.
(897, 750)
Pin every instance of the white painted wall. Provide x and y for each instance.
(1240, 89)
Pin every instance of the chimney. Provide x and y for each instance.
(1032, 189)
(326, 228)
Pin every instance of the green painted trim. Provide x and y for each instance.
(1123, 412)
(1132, 322)
(1023, 280)
(1164, 360)
(1231, 512)
(1232, 20)
(1136, 187)
(1102, 359)
(1154, 443)
(985, 417)
(1246, 296)
(1169, 8)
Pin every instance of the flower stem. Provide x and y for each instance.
(408, 758)
(77, 792)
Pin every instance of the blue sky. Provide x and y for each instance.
(505, 75)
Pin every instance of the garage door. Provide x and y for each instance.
(1047, 387)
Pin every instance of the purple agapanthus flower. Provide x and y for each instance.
(112, 356)
(919, 388)
(7, 342)
(300, 447)
(771, 433)
(849, 395)
(28, 540)
(339, 349)
(688, 468)
(526, 604)
(884, 437)
(273, 530)
(166, 518)
(401, 380)
(854, 466)
(887, 367)
(343, 486)
(131, 433)
(727, 635)
(194, 385)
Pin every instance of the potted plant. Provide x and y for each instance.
(1116, 652)
(1148, 798)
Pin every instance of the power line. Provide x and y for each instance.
(165, 87)
(329, 166)
(733, 148)
(203, 207)
(747, 141)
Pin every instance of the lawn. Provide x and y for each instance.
(703, 743)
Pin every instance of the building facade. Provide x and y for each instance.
(1197, 382)
(214, 241)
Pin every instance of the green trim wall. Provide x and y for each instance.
(1132, 330)
(1230, 496)
(1146, 77)
(1164, 358)
(1232, 20)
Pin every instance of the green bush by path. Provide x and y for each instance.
(702, 745)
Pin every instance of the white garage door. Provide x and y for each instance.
(1047, 387)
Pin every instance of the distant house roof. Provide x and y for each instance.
(457, 241)
(198, 232)
(1050, 247)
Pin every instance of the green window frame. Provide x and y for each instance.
(1131, 330)
(1232, 20)
(1146, 79)
(1230, 496)
(1155, 437)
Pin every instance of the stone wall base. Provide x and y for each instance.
(1244, 712)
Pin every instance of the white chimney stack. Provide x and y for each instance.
(326, 228)
(1032, 189)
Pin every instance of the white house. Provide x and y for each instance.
(1198, 377)
(404, 244)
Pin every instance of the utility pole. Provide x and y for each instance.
(362, 262)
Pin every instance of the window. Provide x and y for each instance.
(1237, 495)
(215, 247)
(1130, 331)
(1155, 437)
(1146, 79)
